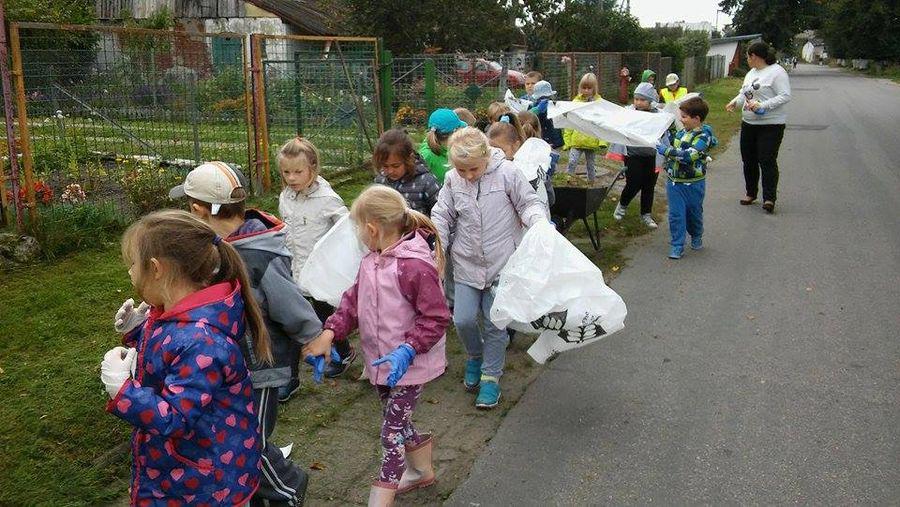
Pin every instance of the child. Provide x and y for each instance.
(542, 94)
(642, 164)
(686, 169)
(531, 79)
(216, 194)
(648, 76)
(486, 198)
(183, 383)
(673, 90)
(531, 127)
(507, 135)
(398, 305)
(578, 143)
(495, 110)
(404, 170)
(433, 150)
(310, 208)
(466, 116)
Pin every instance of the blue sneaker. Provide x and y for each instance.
(676, 252)
(697, 243)
(473, 375)
(488, 394)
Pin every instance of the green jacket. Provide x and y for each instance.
(575, 139)
(438, 164)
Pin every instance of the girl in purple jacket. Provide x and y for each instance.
(182, 382)
(397, 303)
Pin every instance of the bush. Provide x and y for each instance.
(147, 186)
(67, 228)
(739, 72)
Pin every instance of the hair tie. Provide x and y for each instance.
(217, 240)
(505, 118)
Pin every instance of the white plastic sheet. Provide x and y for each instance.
(333, 263)
(604, 120)
(549, 287)
(533, 159)
(517, 105)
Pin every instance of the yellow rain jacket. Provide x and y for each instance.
(576, 139)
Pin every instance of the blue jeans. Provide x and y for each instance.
(685, 210)
(481, 338)
(575, 155)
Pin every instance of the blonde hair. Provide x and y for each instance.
(436, 141)
(468, 144)
(466, 116)
(300, 146)
(531, 125)
(496, 110)
(190, 246)
(591, 79)
(387, 207)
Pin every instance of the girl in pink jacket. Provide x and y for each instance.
(397, 302)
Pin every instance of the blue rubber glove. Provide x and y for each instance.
(400, 359)
(318, 364)
(661, 149)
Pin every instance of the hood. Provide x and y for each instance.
(414, 245)
(272, 239)
(645, 76)
(497, 158)
(713, 140)
(220, 306)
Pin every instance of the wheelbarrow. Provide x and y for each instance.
(577, 203)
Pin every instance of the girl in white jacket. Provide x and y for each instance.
(309, 207)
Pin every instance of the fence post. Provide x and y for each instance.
(387, 89)
(248, 111)
(298, 95)
(24, 136)
(429, 85)
(259, 101)
(10, 138)
(503, 82)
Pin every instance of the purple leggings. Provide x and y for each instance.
(396, 430)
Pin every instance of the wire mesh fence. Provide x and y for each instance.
(323, 89)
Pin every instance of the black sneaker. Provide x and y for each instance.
(336, 369)
(285, 392)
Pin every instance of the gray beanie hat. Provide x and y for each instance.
(646, 91)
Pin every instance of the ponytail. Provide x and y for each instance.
(231, 267)
(436, 141)
(508, 127)
(414, 221)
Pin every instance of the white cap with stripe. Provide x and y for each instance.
(212, 182)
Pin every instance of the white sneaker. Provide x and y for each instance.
(648, 221)
(619, 213)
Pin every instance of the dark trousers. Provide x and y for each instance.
(640, 176)
(323, 311)
(759, 151)
(283, 483)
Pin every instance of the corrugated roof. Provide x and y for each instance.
(301, 13)
(736, 38)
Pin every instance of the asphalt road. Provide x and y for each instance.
(761, 370)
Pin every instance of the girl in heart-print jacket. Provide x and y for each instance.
(190, 402)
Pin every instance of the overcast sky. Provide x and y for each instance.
(649, 12)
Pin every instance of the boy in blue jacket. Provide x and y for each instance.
(686, 171)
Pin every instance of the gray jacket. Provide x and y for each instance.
(487, 217)
(287, 314)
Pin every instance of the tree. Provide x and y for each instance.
(451, 25)
(694, 43)
(777, 20)
(589, 26)
(857, 29)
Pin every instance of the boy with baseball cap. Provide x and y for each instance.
(216, 193)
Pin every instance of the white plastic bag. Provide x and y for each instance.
(604, 120)
(533, 159)
(517, 105)
(549, 287)
(333, 263)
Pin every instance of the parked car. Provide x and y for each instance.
(486, 72)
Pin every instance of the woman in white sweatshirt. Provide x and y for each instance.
(765, 91)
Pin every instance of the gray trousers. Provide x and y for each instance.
(481, 338)
(283, 483)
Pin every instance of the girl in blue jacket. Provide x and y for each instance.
(181, 380)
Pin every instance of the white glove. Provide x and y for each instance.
(116, 368)
(128, 317)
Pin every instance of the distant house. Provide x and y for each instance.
(271, 17)
(732, 48)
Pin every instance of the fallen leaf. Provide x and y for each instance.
(317, 466)
(42, 417)
(433, 401)
(1, 371)
(809, 289)
(750, 316)
(615, 268)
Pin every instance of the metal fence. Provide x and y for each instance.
(699, 70)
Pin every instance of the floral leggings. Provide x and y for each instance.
(397, 430)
